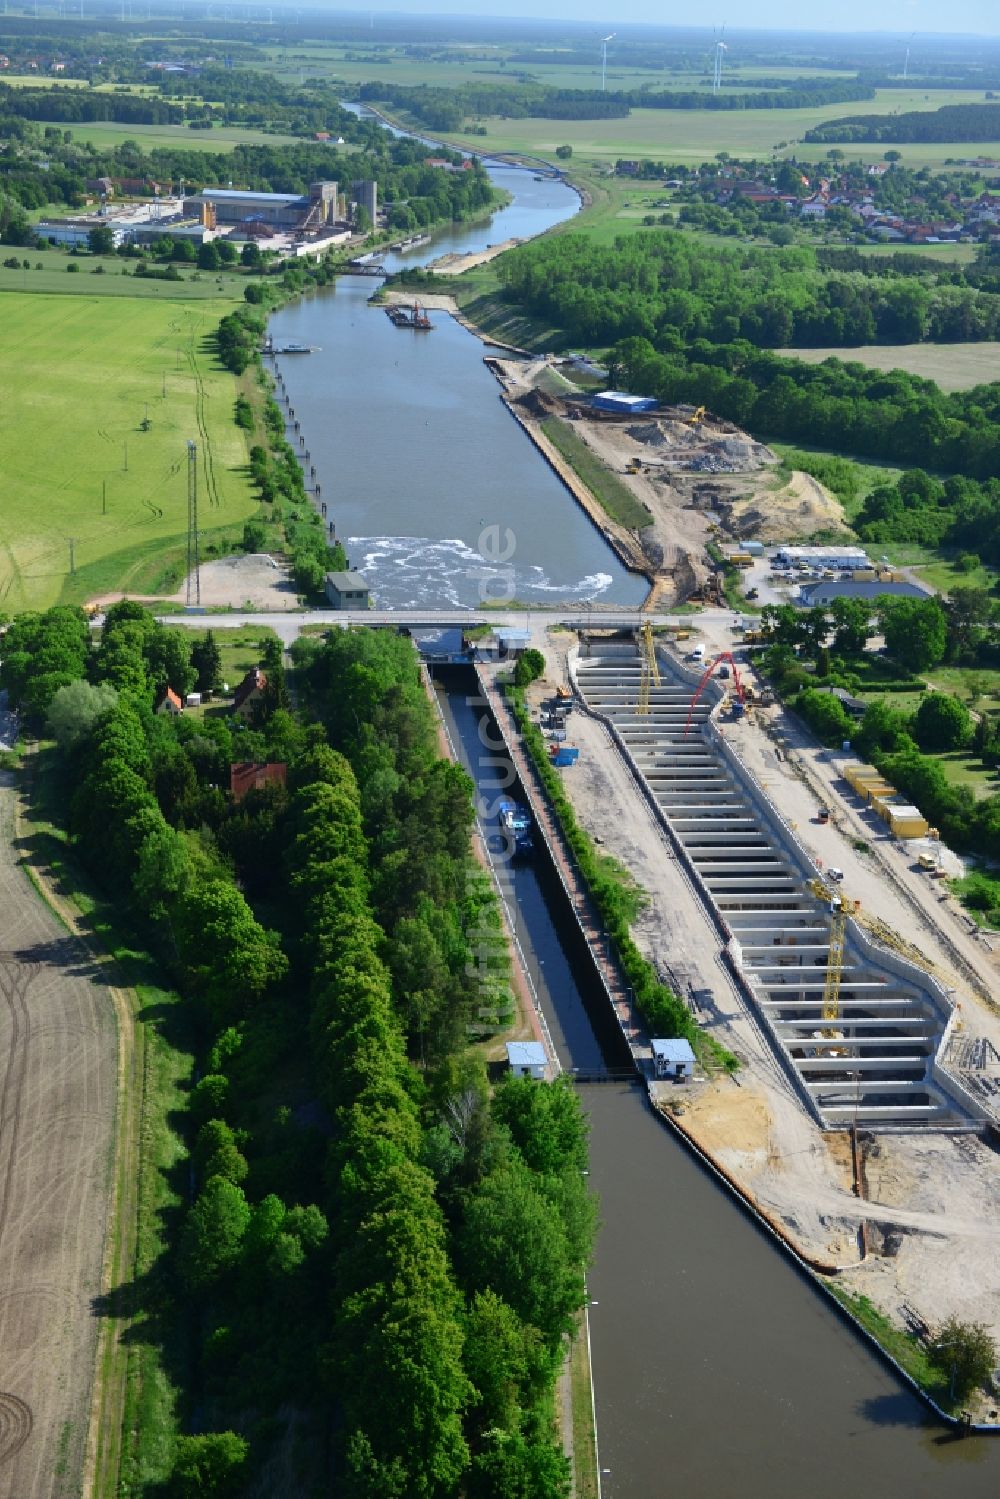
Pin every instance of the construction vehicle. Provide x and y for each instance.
(696, 417)
(633, 466)
(650, 676)
(739, 706)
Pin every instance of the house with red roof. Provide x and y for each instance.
(170, 703)
(250, 776)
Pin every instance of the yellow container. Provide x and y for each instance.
(906, 822)
(856, 776)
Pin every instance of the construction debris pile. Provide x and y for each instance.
(686, 447)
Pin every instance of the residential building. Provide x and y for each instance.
(250, 776)
(170, 703)
(249, 694)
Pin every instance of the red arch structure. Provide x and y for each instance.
(709, 669)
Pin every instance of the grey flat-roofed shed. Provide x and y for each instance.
(527, 1059)
(347, 590)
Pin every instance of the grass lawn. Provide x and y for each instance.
(936, 570)
(952, 366)
(79, 374)
(968, 770)
(239, 649)
(619, 501)
(56, 278)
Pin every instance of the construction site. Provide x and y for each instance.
(862, 1122)
(696, 477)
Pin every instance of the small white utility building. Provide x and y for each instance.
(527, 1059)
(673, 1059)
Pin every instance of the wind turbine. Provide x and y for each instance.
(906, 61)
(604, 59)
(720, 50)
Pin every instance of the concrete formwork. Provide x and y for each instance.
(876, 1064)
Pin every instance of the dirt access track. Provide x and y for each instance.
(58, 1075)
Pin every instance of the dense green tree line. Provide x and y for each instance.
(952, 122)
(380, 1258)
(78, 106)
(662, 287)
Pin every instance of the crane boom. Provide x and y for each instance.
(840, 909)
(650, 673)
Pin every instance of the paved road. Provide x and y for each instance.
(58, 1061)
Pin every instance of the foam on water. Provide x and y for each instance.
(415, 572)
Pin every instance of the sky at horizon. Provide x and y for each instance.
(926, 17)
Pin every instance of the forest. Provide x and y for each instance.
(380, 1254)
(952, 122)
(662, 286)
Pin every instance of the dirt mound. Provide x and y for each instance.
(536, 403)
(799, 508)
(731, 455)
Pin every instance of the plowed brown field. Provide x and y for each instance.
(58, 1058)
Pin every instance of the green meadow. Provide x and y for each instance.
(81, 375)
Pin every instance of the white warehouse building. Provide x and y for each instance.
(844, 554)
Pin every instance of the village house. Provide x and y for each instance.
(249, 694)
(170, 703)
(251, 776)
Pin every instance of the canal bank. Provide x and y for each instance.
(718, 1365)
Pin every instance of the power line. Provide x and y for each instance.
(193, 558)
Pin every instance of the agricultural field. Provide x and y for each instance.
(951, 252)
(952, 366)
(80, 375)
(151, 137)
(56, 278)
(696, 135)
(453, 67)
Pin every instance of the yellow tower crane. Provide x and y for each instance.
(840, 909)
(650, 674)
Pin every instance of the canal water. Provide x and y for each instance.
(719, 1370)
(418, 458)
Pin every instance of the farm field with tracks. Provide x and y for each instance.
(80, 375)
(58, 1081)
